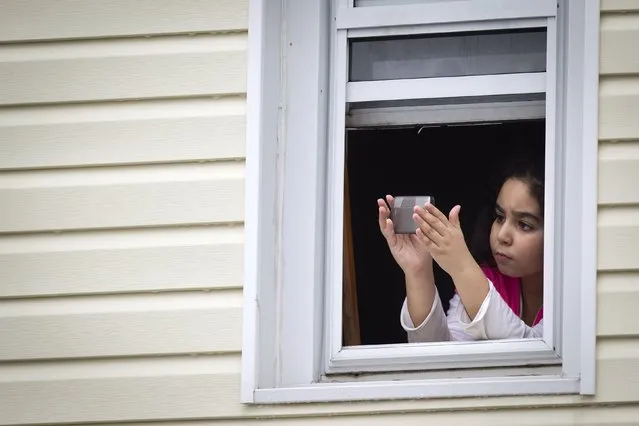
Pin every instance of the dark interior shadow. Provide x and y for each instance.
(454, 164)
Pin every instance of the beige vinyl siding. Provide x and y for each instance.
(619, 5)
(120, 262)
(126, 69)
(618, 253)
(122, 325)
(122, 127)
(126, 261)
(23, 20)
(133, 196)
(134, 132)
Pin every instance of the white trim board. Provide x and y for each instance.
(440, 388)
(443, 12)
(446, 87)
(590, 118)
(260, 183)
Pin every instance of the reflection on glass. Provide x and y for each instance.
(445, 55)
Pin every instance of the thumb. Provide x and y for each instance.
(453, 217)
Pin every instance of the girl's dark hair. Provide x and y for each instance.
(526, 168)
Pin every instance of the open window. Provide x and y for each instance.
(454, 162)
(342, 92)
(496, 78)
(446, 146)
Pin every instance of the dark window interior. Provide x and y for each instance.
(455, 164)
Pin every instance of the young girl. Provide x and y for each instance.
(498, 296)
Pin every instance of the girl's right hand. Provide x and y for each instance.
(409, 252)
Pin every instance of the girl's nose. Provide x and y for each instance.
(505, 235)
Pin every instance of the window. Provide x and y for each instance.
(320, 78)
(423, 133)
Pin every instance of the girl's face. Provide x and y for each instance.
(517, 233)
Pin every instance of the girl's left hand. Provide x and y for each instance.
(443, 237)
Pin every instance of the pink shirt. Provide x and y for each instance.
(509, 289)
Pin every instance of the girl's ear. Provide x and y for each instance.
(453, 216)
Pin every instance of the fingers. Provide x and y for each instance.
(433, 226)
(385, 223)
(436, 213)
(421, 242)
(389, 200)
(454, 216)
(383, 207)
(416, 241)
(427, 230)
(383, 215)
(384, 212)
(426, 240)
(431, 220)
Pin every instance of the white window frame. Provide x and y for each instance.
(432, 356)
(290, 350)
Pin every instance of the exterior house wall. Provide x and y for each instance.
(121, 186)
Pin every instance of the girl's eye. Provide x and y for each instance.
(499, 217)
(525, 226)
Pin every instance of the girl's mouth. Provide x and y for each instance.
(502, 258)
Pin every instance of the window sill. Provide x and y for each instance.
(419, 389)
(437, 356)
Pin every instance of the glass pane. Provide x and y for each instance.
(448, 55)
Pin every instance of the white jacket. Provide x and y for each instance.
(494, 320)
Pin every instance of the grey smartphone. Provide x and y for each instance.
(402, 212)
